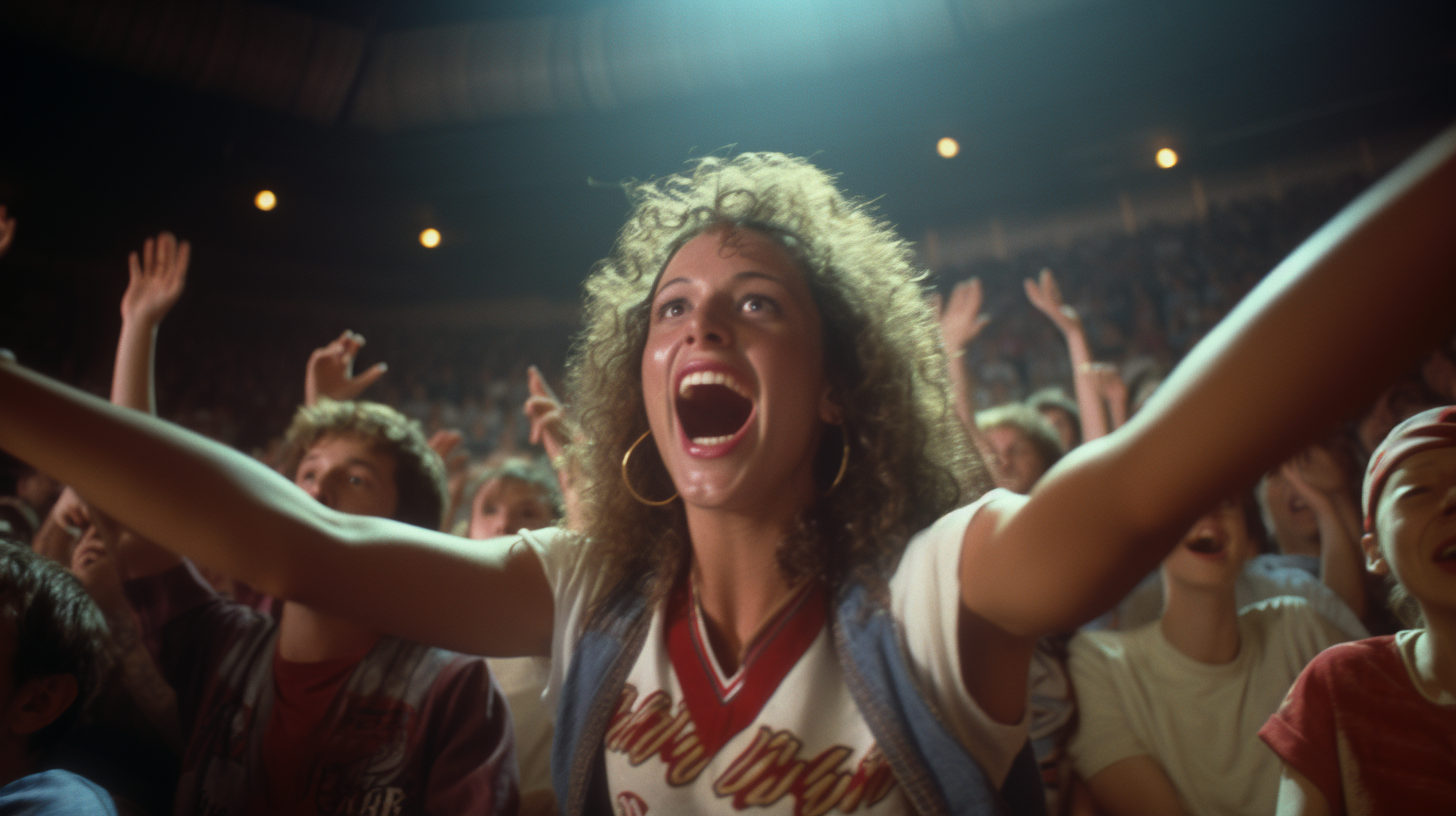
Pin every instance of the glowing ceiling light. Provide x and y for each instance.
(265, 200)
(947, 147)
(430, 238)
(1167, 158)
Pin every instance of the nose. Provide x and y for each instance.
(710, 323)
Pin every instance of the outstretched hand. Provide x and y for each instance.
(157, 279)
(7, 230)
(95, 564)
(961, 319)
(1046, 296)
(331, 371)
(547, 415)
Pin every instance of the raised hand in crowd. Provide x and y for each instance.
(62, 528)
(446, 442)
(7, 230)
(1046, 296)
(961, 322)
(1323, 483)
(158, 276)
(95, 563)
(331, 371)
(550, 430)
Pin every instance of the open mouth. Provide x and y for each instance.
(712, 407)
(1447, 553)
(1205, 545)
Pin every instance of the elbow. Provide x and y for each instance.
(289, 562)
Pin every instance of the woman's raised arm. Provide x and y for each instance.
(209, 502)
(1356, 303)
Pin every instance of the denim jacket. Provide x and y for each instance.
(937, 774)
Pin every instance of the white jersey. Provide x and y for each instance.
(782, 735)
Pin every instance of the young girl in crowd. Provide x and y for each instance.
(1370, 726)
(747, 616)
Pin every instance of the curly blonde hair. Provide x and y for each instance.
(909, 460)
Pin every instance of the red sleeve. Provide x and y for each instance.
(469, 745)
(1303, 731)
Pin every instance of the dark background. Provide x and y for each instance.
(1063, 105)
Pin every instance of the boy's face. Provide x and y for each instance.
(1415, 527)
(1213, 552)
(1020, 465)
(348, 473)
(504, 505)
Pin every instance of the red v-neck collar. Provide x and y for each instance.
(722, 706)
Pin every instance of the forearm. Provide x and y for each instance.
(1312, 343)
(132, 386)
(228, 512)
(963, 390)
(1084, 383)
(1340, 567)
(170, 486)
(131, 379)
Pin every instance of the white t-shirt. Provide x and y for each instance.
(783, 735)
(1138, 695)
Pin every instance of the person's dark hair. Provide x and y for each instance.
(58, 630)
(1036, 428)
(419, 475)
(1053, 397)
(909, 460)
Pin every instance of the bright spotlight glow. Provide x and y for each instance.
(430, 238)
(265, 200)
(1167, 158)
(947, 148)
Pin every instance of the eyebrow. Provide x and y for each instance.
(747, 273)
(353, 460)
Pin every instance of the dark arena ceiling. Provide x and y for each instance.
(507, 125)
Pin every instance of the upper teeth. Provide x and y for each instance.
(685, 386)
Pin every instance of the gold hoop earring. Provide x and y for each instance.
(628, 482)
(843, 462)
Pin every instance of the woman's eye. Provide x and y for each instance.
(672, 308)
(759, 303)
(358, 481)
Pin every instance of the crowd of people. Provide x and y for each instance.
(800, 537)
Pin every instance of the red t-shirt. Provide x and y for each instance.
(1356, 726)
(302, 694)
